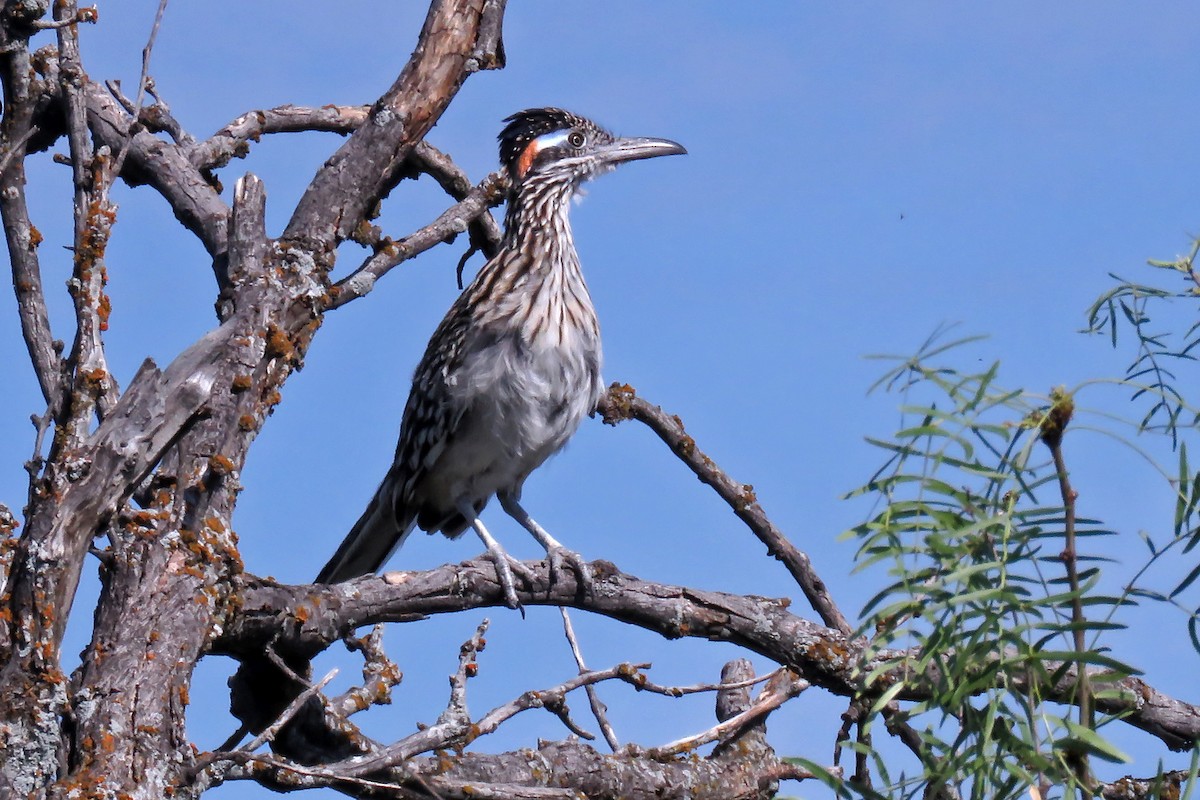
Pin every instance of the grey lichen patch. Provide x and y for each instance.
(384, 117)
(360, 283)
(31, 750)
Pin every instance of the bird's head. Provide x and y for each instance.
(552, 144)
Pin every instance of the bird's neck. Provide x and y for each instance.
(536, 276)
(538, 223)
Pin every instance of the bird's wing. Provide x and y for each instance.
(431, 415)
(429, 420)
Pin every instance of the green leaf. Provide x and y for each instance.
(1186, 582)
(1093, 742)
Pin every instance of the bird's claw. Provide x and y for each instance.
(504, 573)
(559, 557)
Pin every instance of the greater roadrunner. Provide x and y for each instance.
(513, 367)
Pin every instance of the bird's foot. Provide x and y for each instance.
(506, 565)
(560, 557)
(518, 566)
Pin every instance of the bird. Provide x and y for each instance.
(512, 369)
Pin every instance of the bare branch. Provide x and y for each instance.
(21, 94)
(783, 687)
(449, 224)
(289, 712)
(621, 402)
(90, 14)
(135, 113)
(164, 166)
(23, 239)
(93, 388)
(233, 141)
(489, 47)
(362, 171)
(824, 656)
(599, 710)
(380, 674)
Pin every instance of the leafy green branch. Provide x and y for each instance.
(961, 529)
(1129, 304)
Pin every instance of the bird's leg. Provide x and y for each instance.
(504, 570)
(556, 554)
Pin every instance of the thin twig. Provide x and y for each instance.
(89, 14)
(450, 223)
(1053, 425)
(271, 730)
(621, 402)
(452, 726)
(599, 710)
(538, 698)
(777, 692)
(322, 776)
(119, 161)
(380, 674)
(680, 691)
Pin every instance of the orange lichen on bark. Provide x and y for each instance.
(279, 345)
(221, 465)
(620, 407)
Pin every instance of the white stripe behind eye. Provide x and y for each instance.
(552, 139)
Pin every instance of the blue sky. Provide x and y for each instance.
(858, 174)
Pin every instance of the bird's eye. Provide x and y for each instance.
(576, 139)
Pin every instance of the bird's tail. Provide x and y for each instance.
(379, 532)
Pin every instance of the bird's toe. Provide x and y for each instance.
(560, 558)
(504, 573)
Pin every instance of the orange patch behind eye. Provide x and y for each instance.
(527, 157)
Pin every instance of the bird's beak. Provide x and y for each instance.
(634, 149)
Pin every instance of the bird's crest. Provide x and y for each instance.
(519, 140)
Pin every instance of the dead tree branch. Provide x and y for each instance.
(368, 165)
(621, 402)
(745, 771)
(449, 224)
(22, 92)
(823, 656)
